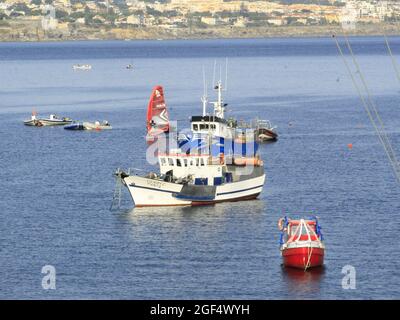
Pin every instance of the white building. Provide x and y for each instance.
(209, 20)
(133, 19)
(277, 22)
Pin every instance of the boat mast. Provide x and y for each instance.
(204, 98)
(218, 105)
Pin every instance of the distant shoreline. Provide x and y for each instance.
(23, 33)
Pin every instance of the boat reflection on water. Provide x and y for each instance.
(302, 282)
(249, 208)
(205, 221)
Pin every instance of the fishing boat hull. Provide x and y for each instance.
(303, 257)
(264, 135)
(94, 126)
(146, 192)
(33, 123)
(49, 122)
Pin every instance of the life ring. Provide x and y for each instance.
(280, 224)
(221, 158)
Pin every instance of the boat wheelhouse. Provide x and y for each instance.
(207, 124)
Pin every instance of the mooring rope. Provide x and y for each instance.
(394, 61)
(385, 143)
(385, 138)
(374, 116)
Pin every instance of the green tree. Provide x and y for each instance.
(61, 14)
(22, 7)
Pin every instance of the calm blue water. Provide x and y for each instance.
(56, 186)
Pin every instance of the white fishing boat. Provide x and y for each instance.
(84, 67)
(194, 180)
(206, 172)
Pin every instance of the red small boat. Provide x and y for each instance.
(157, 115)
(301, 243)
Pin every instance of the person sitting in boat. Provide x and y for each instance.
(152, 123)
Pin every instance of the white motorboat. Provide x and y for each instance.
(33, 121)
(84, 67)
(97, 125)
(52, 120)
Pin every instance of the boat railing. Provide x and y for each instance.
(262, 124)
(255, 124)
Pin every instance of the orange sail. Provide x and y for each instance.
(157, 114)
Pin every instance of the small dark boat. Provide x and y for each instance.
(264, 131)
(75, 126)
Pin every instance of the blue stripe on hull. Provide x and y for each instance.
(230, 192)
(149, 188)
(218, 194)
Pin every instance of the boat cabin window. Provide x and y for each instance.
(178, 162)
(197, 161)
(195, 127)
(191, 162)
(163, 161)
(170, 161)
(213, 126)
(202, 162)
(204, 127)
(185, 162)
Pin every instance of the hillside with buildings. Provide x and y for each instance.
(32, 20)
